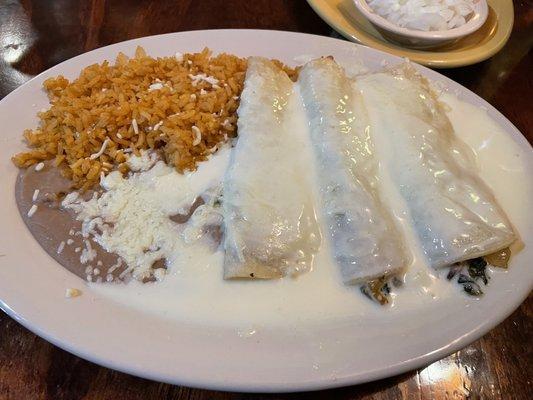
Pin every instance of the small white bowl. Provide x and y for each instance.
(422, 39)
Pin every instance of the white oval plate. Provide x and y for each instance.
(297, 357)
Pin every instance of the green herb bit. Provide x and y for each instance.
(469, 285)
(477, 268)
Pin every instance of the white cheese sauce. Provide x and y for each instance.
(194, 291)
(270, 226)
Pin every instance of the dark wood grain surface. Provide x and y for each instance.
(35, 35)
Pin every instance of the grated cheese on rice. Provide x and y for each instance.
(94, 156)
(203, 77)
(135, 126)
(197, 136)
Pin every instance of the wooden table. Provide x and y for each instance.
(498, 366)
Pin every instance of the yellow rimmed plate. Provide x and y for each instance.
(343, 16)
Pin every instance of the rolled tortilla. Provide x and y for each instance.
(269, 223)
(365, 240)
(454, 213)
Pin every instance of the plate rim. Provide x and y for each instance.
(314, 384)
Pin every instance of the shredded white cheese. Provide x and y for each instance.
(115, 266)
(35, 194)
(203, 77)
(32, 211)
(61, 247)
(155, 86)
(71, 198)
(142, 163)
(125, 272)
(101, 151)
(135, 126)
(159, 274)
(131, 217)
(197, 135)
(39, 166)
(88, 253)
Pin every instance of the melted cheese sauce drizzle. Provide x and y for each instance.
(194, 291)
